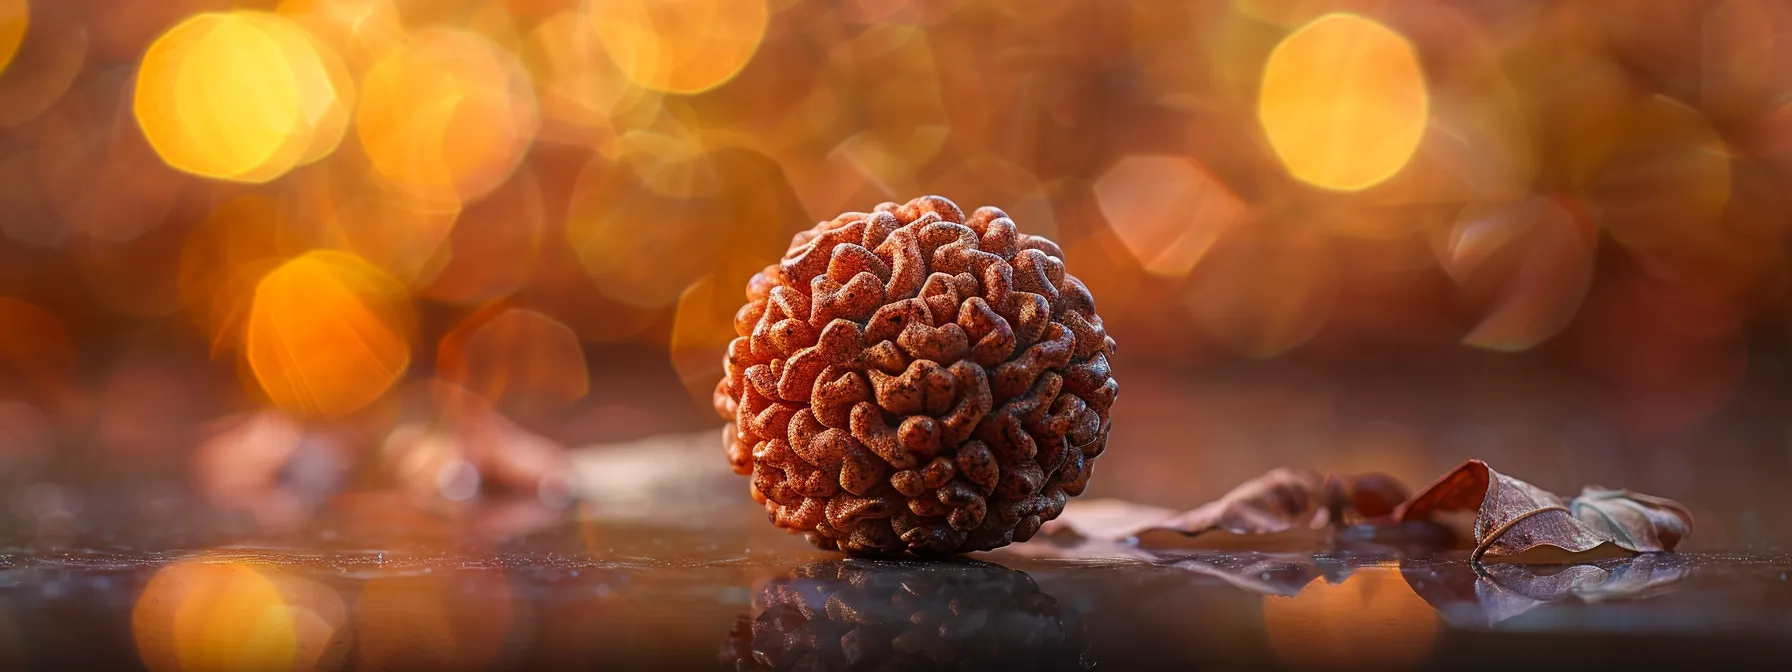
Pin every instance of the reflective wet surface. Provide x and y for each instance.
(378, 584)
(665, 564)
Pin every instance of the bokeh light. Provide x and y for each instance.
(493, 246)
(703, 322)
(137, 278)
(199, 615)
(1680, 156)
(87, 142)
(15, 19)
(446, 118)
(363, 30)
(582, 92)
(223, 258)
(37, 357)
(53, 40)
(1534, 256)
(551, 206)
(1277, 292)
(1343, 102)
(406, 239)
(515, 358)
(1167, 210)
(213, 612)
(680, 46)
(327, 334)
(645, 233)
(24, 437)
(240, 96)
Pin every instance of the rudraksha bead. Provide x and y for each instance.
(912, 380)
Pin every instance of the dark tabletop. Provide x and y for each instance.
(371, 583)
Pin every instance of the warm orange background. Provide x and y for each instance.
(1369, 234)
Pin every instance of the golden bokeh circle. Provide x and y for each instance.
(15, 19)
(515, 358)
(1343, 102)
(445, 119)
(680, 46)
(198, 615)
(328, 334)
(241, 96)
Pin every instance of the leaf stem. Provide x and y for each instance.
(1482, 546)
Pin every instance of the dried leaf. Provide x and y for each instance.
(1511, 516)
(1633, 521)
(1512, 520)
(1106, 519)
(1277, 501)
(1283, 499)
(1364, 496)
(1085, 551)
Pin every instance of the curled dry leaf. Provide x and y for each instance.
(1512, 517)
(1281, 500)
(1277, 501)
(1634, 521)
(1511, 520)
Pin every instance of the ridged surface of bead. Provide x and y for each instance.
(913, 380)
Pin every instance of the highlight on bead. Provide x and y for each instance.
(242, 96)
(328, 334)
(1343, 102)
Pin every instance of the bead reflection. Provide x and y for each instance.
(863, 615)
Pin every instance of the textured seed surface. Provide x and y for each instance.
(912, 380)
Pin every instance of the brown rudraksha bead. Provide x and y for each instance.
(910, 380)
(862, 615)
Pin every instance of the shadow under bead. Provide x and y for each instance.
(913, 381)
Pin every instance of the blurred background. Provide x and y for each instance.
(266, 251)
